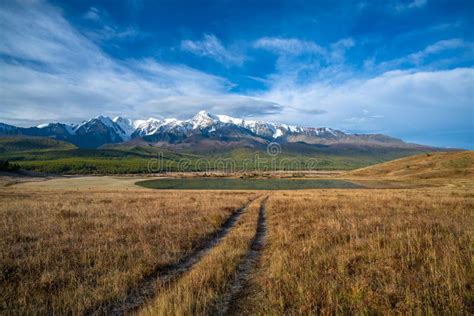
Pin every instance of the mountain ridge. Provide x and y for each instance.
(103, 130)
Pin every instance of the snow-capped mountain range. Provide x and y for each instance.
(104, 130)
(204, 120)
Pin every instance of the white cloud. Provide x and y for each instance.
(46, 38)
(415, 4)
(102, 28)
(53, 72)
(339, 48)
(440, 46)
(210, 46)
(93, 14)
(305, 61)
(406, 104)
(289, 46)
(400, 103)
(455, 50)
(291, 49)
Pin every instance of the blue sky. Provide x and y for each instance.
(402, 68)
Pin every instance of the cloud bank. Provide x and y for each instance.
(51, 70)
(210, 46)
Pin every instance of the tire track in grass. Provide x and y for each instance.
(138, 296)
(229, 300)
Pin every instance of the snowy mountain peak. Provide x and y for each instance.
(92, 123)
(126, 125)
(120, 119)
(203, 119)
(202, 113)
(104, 130)
(127, 129)
(104, 119)
(230, 120)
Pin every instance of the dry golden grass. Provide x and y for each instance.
(198, 291)
(365, 252)
(62, 252)
(444, 165)
(438, 169)
(392, 251)
(103, 183)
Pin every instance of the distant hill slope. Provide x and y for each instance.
(24, 143)
(43, 154)
(425, 166)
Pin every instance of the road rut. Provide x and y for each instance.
(146, 290)
(229, 300)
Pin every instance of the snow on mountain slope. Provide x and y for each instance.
(103, 130)
(97, 131)
(230, 120)
(69, 128)
(127, 129)
(146, 127)
(203, 119)
(126, 125)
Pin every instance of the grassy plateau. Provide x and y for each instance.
(403, 244)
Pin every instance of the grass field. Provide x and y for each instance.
(198, 291)
(80, 245)
(365, 252)
(68, 251)
(442, 165)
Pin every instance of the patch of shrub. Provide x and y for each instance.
(5, 165)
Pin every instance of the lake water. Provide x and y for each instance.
(246, 184)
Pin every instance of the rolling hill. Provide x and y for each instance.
(58, 157)
(439, 165)
(21, 144)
